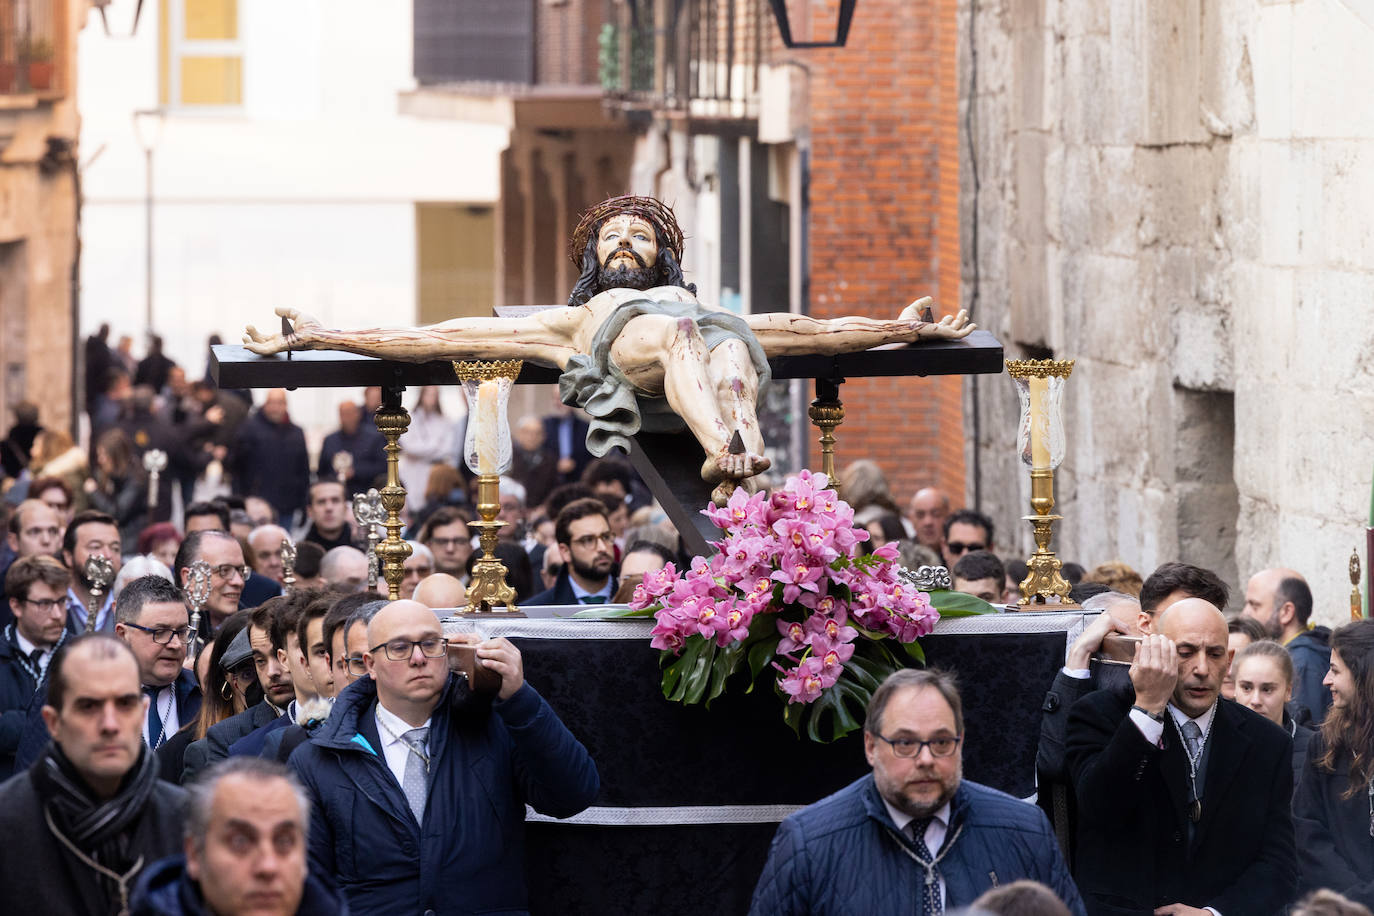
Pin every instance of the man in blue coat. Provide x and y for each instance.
(913, 837)
(420, 785)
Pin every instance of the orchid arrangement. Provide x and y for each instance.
(789, 593)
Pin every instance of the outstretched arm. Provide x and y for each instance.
(545, 337)
(786, 334)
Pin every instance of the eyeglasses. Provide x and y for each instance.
(449, 543)
(356, 666)
(957, 547)
(46, 604)
(227, 570)
(399, 650)
(911, 747)
(163, 635)
(591, 540)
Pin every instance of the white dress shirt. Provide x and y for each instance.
(166, 702)
(27, 648)
(934, 835)
(390, 728)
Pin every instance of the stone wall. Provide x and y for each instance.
(38, 244)
(1179, 194)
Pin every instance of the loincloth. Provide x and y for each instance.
(617, 410)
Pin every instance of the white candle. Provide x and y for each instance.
(488, 421)
(1040, 422)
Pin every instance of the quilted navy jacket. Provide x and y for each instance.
(489, 760)
(843, 855)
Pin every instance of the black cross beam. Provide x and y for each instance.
(670, 465)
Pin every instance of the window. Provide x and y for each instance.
(202, 54)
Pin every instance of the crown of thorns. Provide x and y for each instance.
(648, 209)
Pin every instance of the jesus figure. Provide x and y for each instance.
(637, 349)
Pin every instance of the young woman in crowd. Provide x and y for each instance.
(119, 486)
(1263, 672)
(1333, 808)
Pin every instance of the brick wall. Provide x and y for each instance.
(885, 218)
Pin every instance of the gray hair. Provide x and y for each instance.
(141, 591)
(1105, 600)
(139, 566)
(201, 793)
(916, 678)
(420, 550)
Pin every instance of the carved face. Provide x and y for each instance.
(624, 237)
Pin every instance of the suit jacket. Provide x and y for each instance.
(215, 745)
(560, 594)
(1134, 852)
(580, 456)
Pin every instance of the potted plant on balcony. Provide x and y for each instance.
(37, 55)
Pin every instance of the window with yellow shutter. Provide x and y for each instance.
(202, 54)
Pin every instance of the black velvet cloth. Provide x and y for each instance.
(651, 752)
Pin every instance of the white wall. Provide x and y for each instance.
(304, 197)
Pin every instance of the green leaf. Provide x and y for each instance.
(689, 674)
(957, 604)
(840, 710)
(724, 665)
(611, 613)
(915, 652)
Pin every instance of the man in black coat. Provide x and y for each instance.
(1183, 797)
(269, 458)
(365, 447)
(91, 814)
(37, 589)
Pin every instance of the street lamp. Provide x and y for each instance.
(148, 125)
(105, 21)
(846, 14)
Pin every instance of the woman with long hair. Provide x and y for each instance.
(431, 439)
(224, 692)
(119, 486)
(1333, 809)
(1263, 672)
(54, 454)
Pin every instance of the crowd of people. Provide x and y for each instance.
(305, 746)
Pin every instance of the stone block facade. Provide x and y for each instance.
(1177, 194)
(38, 233)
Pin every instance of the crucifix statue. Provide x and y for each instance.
(636, 348)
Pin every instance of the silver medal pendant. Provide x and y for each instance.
(1195, 810)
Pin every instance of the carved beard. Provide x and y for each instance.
(622, 277)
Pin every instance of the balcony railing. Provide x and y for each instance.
(29, 40)
(704, 60)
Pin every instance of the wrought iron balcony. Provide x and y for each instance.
(702, 59)
(30, 39)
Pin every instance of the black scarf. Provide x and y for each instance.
(97, 828)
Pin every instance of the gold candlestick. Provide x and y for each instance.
(392, 420)
(487, 451)
(489, 592)
(827, 412)
(1040, 384)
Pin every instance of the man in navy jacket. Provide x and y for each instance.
(913, 837)
(420, 785)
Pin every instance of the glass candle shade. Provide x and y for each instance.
(1040, 387)
(487, 386)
